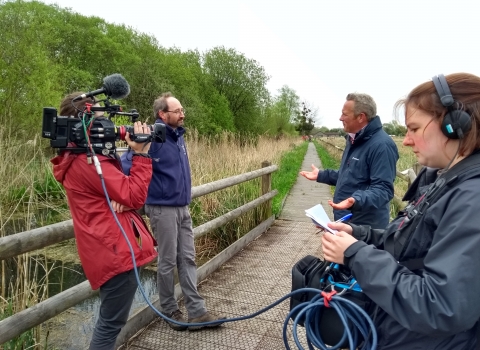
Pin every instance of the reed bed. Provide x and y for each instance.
(220, 157)
(32, 198)
(23, 198)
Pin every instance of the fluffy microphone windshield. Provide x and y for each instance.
(116, 86)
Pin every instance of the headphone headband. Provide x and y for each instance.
(443, 90)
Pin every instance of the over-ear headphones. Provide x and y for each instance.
(456, 122)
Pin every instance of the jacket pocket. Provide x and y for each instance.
(358, 170)
(137, 234)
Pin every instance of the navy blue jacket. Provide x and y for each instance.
(366, 173)
(171, 183)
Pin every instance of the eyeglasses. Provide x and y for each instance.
(178, 111)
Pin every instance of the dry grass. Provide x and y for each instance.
(226, 155)
(29, 191)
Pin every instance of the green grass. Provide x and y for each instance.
(25, 340)
(328, 161)
(286, 175)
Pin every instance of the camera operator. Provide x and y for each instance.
(103, 250)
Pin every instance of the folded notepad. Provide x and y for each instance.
(319, 217)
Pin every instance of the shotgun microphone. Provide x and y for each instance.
(114, 86)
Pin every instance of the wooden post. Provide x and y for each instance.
(413, 172)
(23, 242)
(411, 176)
(417, 167)
(266, 187)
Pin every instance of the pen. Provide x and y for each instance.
(346, 217)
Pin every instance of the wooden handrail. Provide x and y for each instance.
(41, 237)
(27, 241)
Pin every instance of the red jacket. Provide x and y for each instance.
(102, 248)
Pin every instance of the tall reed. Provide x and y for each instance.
(32, 198)
(225, 155)
(407, 159)
(24, 195)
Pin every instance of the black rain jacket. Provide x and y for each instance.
(436, 307)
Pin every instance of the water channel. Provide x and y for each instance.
(73, 328)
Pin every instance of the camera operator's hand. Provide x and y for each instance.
(139, 128)
(119, 208)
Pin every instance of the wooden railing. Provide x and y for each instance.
(410, 174)
(28, 241)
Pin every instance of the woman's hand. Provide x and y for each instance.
(340, 226)
(119, 208)
(139, 128)
(334, 246)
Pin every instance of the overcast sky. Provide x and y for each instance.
(321, 49)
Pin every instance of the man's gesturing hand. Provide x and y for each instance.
(347, 203)
(311, 175)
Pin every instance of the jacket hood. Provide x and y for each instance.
(61, 164)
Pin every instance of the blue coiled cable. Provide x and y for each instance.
(348, 312)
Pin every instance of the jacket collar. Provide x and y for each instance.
(371, 128)
(174, 133)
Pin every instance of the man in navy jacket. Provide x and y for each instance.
(169, 196)
(364, 182)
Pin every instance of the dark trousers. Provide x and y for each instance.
(116, 297)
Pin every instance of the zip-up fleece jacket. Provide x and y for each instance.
(103, 250)
(437, 307)
(366, 173)
(171, 183)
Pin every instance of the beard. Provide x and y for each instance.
(174, 122)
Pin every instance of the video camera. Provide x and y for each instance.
(99, 133)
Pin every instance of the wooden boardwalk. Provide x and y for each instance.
(254, 278)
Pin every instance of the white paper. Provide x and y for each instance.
(319, 217)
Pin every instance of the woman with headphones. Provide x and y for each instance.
(422, 271)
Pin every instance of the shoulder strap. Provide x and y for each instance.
(396, 242)
(471, 162)
(450, 176)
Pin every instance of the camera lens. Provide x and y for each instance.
(157, 132)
